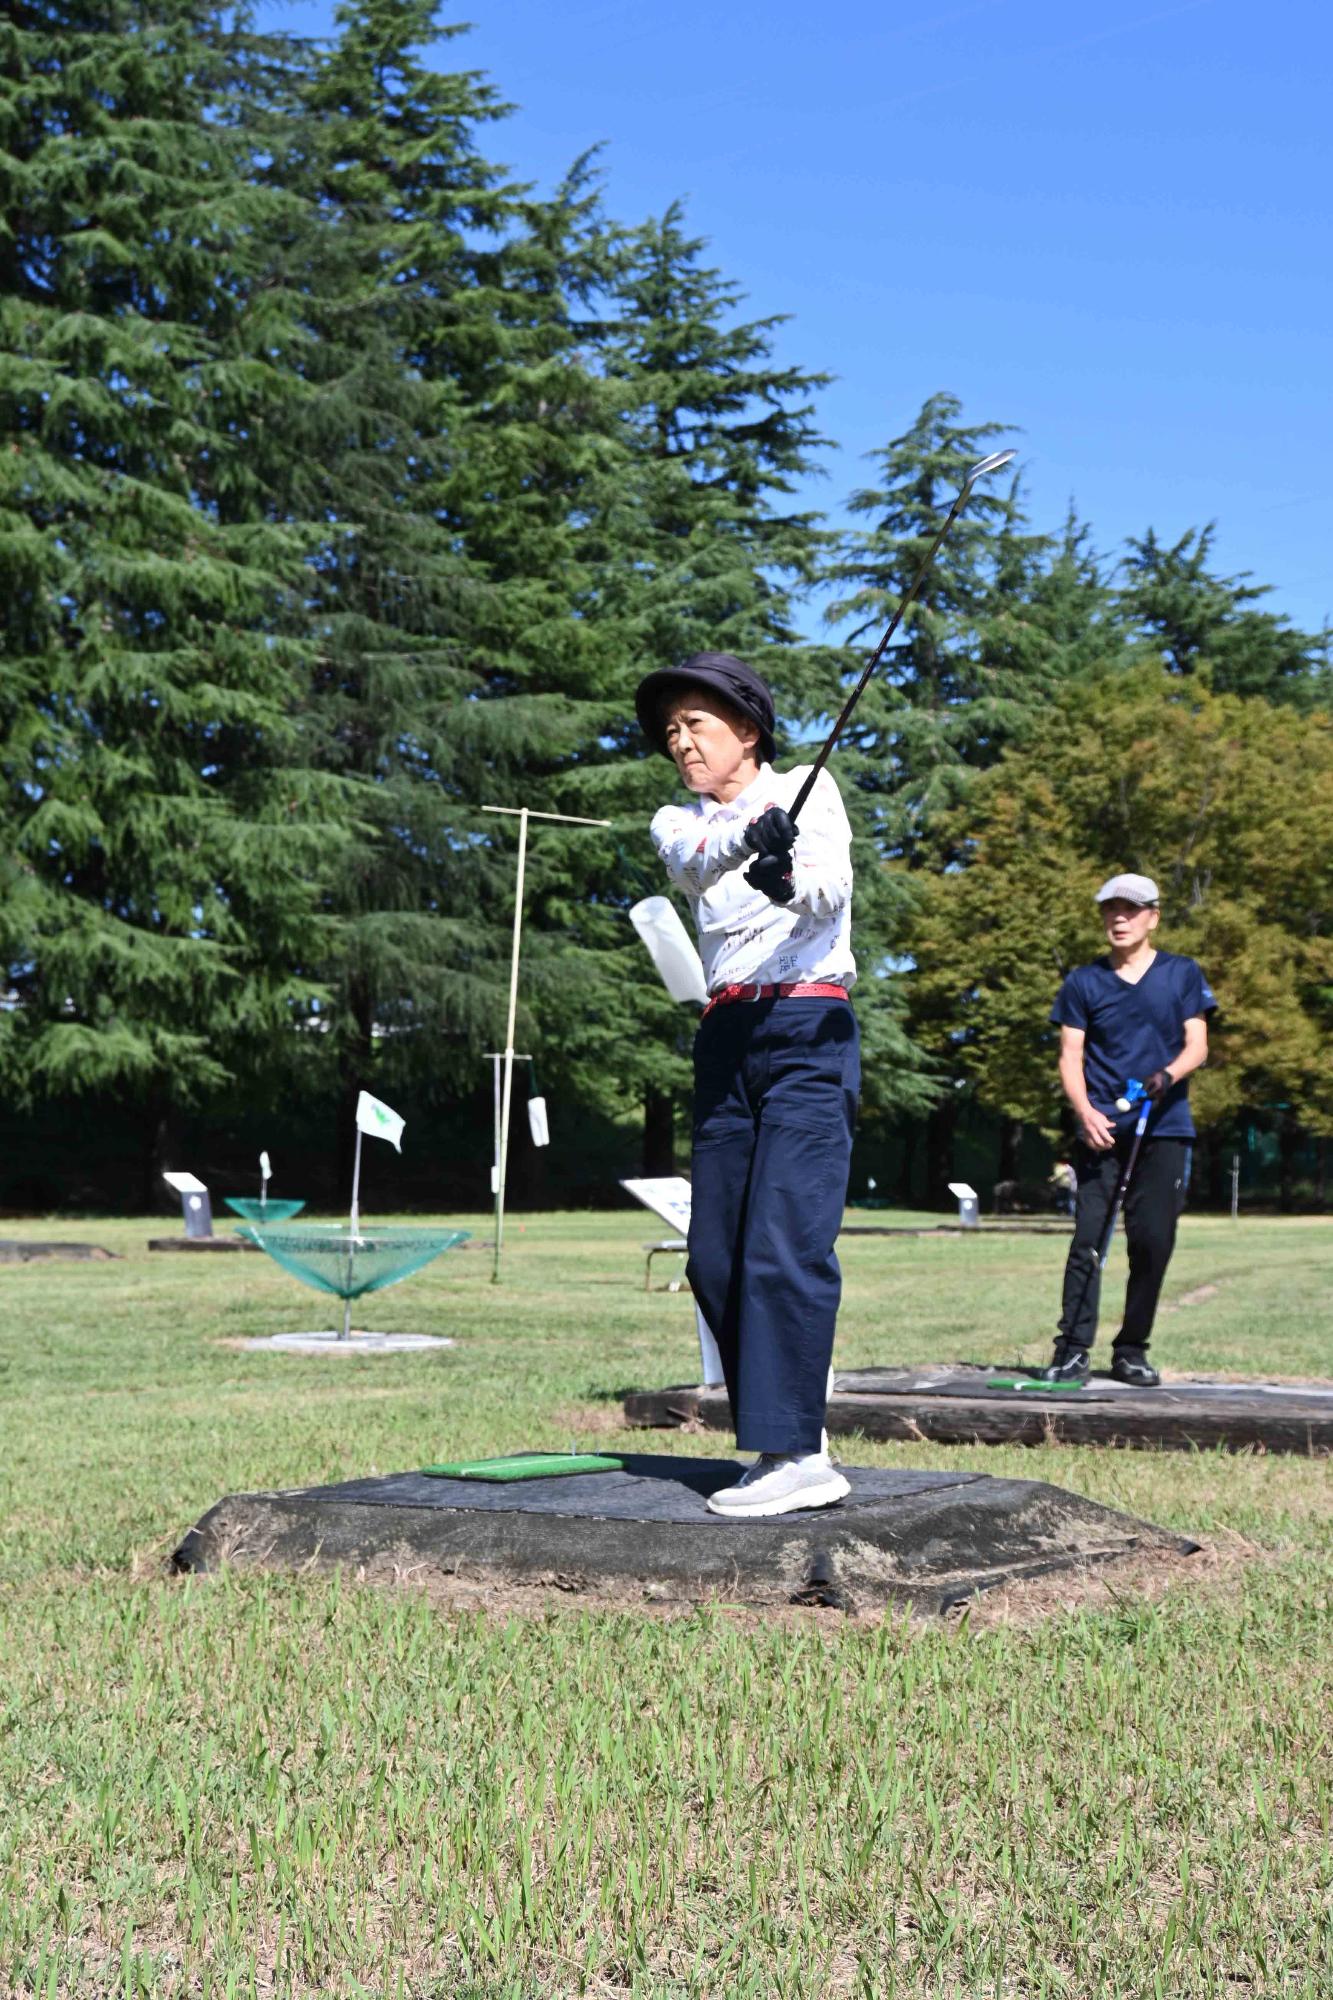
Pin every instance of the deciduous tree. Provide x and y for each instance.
(1226, 803)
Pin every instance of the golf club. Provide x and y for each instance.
(983, 466)
(1134, 1094)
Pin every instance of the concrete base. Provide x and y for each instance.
(14, 1251)
(1055, 1227)
(928, 1539)
(202, 1243)
(953, 1404)
(332, 1342)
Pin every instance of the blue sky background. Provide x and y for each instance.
(1108, 225)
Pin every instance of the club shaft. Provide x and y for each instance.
(1122, 1187)
(878, 654)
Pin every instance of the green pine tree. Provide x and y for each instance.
(457, 666)
(687, 539)
(1005, 618)
(693, 544)
(395, 298)
(954, 687)
(1050, 617)
(1199, 620)
(163, 822)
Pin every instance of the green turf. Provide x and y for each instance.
(525, 1465)
(297, 1785)
(1031, 1382)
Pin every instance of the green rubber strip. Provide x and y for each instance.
(1037, 1388)
(525, 1465)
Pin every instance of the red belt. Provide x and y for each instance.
(818, 989)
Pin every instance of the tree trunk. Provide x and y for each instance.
(159, 1153)
(940, 1128)
(1288, 1139)
(659, 1134)
(1011, 1149)
(908, 1161)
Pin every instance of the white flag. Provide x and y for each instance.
(378, 1120)
(537, 1125)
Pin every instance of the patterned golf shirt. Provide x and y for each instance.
(743, 937)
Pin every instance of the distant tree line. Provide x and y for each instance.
(348, 484)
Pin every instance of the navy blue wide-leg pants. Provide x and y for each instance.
(775, 1091)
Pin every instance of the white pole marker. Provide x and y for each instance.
(523, 814)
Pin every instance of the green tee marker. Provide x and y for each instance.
(1038, 1388)
(525, 1465)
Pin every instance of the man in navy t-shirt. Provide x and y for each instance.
(1137, 1014)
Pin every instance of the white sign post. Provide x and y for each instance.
(495, 1058)
(523, 814)
(969, 1204)
(672, 1198)
(195, 1203)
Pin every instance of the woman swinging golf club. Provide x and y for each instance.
(776, 1065)
(1137, 1014)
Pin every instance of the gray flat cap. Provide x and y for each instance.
(1139, 889)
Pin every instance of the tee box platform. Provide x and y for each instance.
(955, 1403)
(20, 1251)
(928, 1539)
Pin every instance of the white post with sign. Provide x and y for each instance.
(672, 1197)
(523, 814)
(969, 1204)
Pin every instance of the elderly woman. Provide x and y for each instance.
(776, 1065)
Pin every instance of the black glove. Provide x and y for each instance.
(772, 874)
(1155, 1085)
(772, 833)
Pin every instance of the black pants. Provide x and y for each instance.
(775, 1090)
(1152, 1208)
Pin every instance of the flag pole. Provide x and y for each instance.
(507, 1092)
(495, 1057)
(356, 1185)
(352, 1234)
(523, 815)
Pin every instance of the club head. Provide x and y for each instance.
(983, 466)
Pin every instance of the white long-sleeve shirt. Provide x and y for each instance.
(745, 939)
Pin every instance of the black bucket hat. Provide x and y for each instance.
(722, 674)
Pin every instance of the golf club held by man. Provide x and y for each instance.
(776, 1065)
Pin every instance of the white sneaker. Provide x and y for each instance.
(780, 1483)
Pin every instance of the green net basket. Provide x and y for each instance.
(253, 1210)
(329, 1258)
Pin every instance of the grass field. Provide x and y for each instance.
(263, 1784)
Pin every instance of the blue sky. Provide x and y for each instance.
(1106, 225)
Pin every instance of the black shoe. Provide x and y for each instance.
(1132, 1366)
(1069, 1363)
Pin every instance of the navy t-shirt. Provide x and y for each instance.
(1132, 1030)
